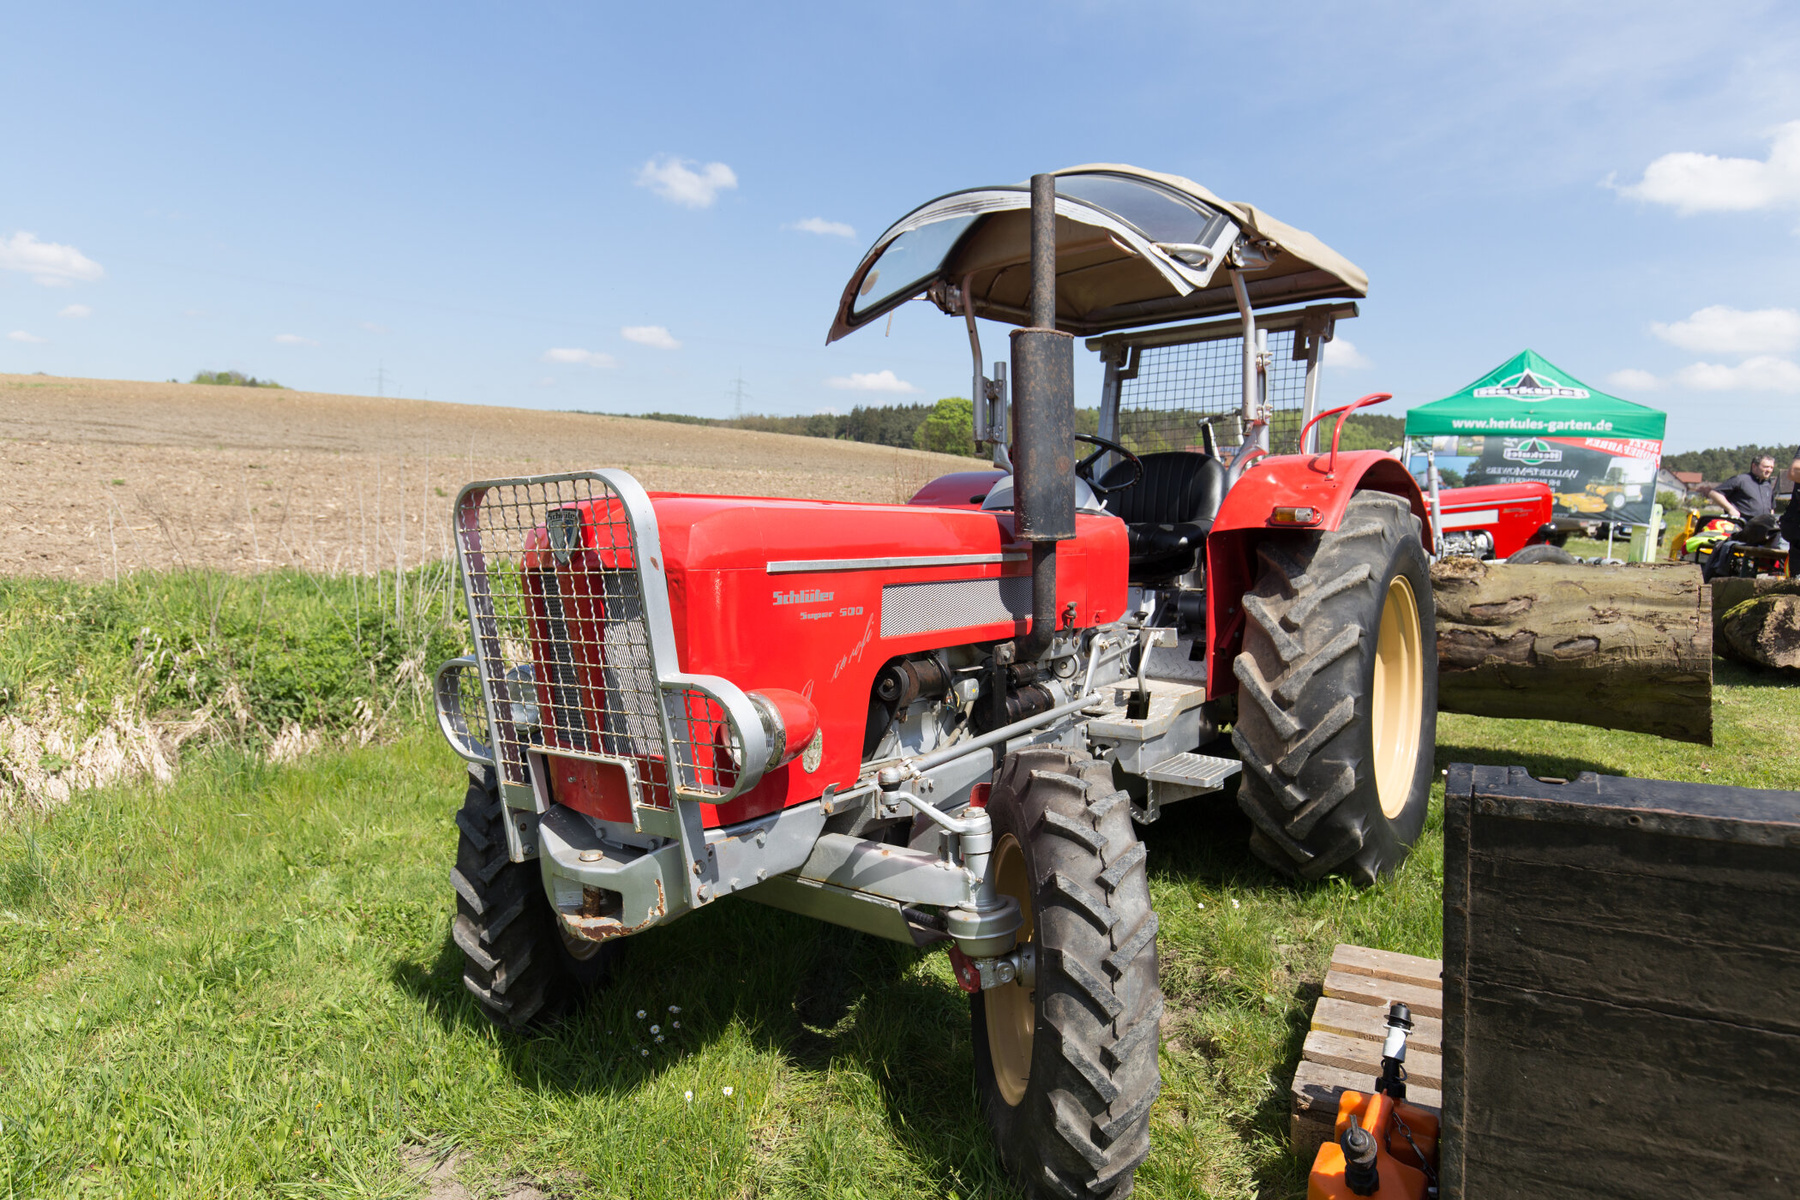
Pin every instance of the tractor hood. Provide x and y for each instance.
(1133, 247)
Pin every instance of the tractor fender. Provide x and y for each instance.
(1246, 518)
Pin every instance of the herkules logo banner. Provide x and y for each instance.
(1527, 386)
(1533, 451)
(1590, 479)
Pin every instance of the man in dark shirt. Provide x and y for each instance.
(1749, 495)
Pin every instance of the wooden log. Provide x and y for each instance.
(1728, 592)
(1765, 631)
(1620, 647)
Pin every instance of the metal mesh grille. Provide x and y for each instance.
(469, 704)
(909, 608)
(557, 605)
(1174, 388)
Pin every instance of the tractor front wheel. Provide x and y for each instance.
(1066, 1062)
(1337, 720)
(517, 963)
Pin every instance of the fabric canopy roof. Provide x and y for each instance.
(1529, 396)
(1133, 248)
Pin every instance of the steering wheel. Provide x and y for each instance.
(1084, 469)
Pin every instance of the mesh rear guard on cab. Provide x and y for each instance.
(1175, 387)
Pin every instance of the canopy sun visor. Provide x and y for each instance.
(1133, 247)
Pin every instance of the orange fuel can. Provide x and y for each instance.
(1399, 1169)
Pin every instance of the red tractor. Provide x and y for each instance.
(939, 721)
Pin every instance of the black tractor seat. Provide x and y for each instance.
(1167, 513)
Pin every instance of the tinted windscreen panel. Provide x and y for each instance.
(1157, 214)
(910, 260)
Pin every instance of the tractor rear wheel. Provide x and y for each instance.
(1337, 720)
(517, 962)
(1066, 1062)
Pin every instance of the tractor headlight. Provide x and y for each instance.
(790, 721)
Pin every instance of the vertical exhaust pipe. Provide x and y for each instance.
(1043, 379)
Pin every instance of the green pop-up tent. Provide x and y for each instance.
(1528, 419)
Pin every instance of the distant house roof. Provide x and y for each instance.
(1689, 479)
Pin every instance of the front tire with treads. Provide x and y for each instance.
(516, 962)
(1068, 1069)
(1337, 705)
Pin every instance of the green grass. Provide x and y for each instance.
(233, 659)
(242, 984)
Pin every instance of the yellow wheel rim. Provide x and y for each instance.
(1011, 1008)
(1398, 697)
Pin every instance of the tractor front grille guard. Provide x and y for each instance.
(575, 646)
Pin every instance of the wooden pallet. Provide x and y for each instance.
(1343, 1048)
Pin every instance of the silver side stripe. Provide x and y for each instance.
(792, 565)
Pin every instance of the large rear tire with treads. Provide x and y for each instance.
(1337, 705)
(1067, 1067)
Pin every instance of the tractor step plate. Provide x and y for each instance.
(1195, 770)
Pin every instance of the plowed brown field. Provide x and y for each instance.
(104, 476)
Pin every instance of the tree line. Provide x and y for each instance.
(1718, 465)
(947, 427)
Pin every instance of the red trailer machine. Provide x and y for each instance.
(939, 721)
(1493, 520)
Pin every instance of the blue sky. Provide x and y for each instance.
(621, 207)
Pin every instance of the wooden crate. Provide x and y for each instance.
(1622, 961)
(1343, 1047)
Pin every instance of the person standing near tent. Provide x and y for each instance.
(1748, 495)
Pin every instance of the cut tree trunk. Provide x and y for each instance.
(1728, 593)
(1620, 647)
(1764, 631)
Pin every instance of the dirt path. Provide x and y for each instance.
(103, 476)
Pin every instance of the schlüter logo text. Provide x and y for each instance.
(807, 597)
(1532, 452)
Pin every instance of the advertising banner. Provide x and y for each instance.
(1528, 420)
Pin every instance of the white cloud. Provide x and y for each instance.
(49, 263)
(823, 227)
(677, 180)
(1342, 352)
(78, 312)
(827, 411)
(875, 381)
(1693, 183)
(585, 358)
(1631, 379)
(655, 336)
(19, 335)
(1764, 373)
(372, 327)
(1722, 330)
(293, 339)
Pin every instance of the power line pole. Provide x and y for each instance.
(380, 378)
(739, 394)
